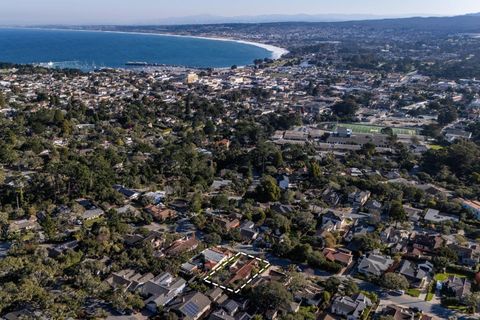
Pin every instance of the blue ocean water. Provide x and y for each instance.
(88, 50)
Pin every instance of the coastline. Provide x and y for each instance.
(275, 52)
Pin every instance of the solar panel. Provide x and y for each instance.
(191, 309)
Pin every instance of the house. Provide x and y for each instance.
(212, 258)
(360, 227)
(417, 274)
(414, 214)
(226, 223)
(4, 248)
(160, 213)
(179, 246)
(343, 132)
(23, 225)
(374, 264)
(161, 290)
(218, 185)
(350, 307)
(333, 222)
(240, 272)
(426, 243)
(355, 172)
(192, 306)
(129, 194)
(283, 182)
(92, 214)
(473, 206)
(398, 313)
(248, 232)
(373, 206)
(282, 208)
(128, 280)
(434, 216)
(359, 198)
(155, 238)
(128, 210)
(331, 197)
(310, 295)
(457, 287)
(467, 255)
(155, 197)
(57, 250)
(395, 239)
(340, 256)
(221, 315)
(457, 134)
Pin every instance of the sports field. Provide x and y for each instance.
(360, 128)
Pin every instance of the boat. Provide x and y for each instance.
(136, 63)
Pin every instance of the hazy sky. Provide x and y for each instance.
(131, 11)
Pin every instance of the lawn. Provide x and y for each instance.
(413, 292)
(436, 147)
(444, 276)
(90, 223)
(429, 296)
(359, 128)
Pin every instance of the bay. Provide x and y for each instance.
(88, 50)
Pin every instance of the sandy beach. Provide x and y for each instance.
(276, 52)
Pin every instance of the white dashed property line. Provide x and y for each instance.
(216, 268)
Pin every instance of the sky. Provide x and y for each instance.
(27, 12)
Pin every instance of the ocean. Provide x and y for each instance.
(89, 50)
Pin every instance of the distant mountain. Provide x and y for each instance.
(457, 24)
(211, 19)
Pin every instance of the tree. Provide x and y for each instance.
(447, 115)
(301, 252)
(304, 221)
(326, 296)
(387, 131)
(268, 190)
(209, 127)
(2, 176)
(3, 102)
(368, 242)
(297, 281)
(124, 300)
(473, 301)
(280, 222)
(332, 285)
(272, 295)
(220, 201)
(329, 239)
(345, 109)
(350, 287)
(213, 239)
(397, 212)
(393, 281)
(368, 149)
(440, 263)
(196, 203)
(447, 253)
(314, 170)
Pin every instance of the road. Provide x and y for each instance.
(433, 307)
